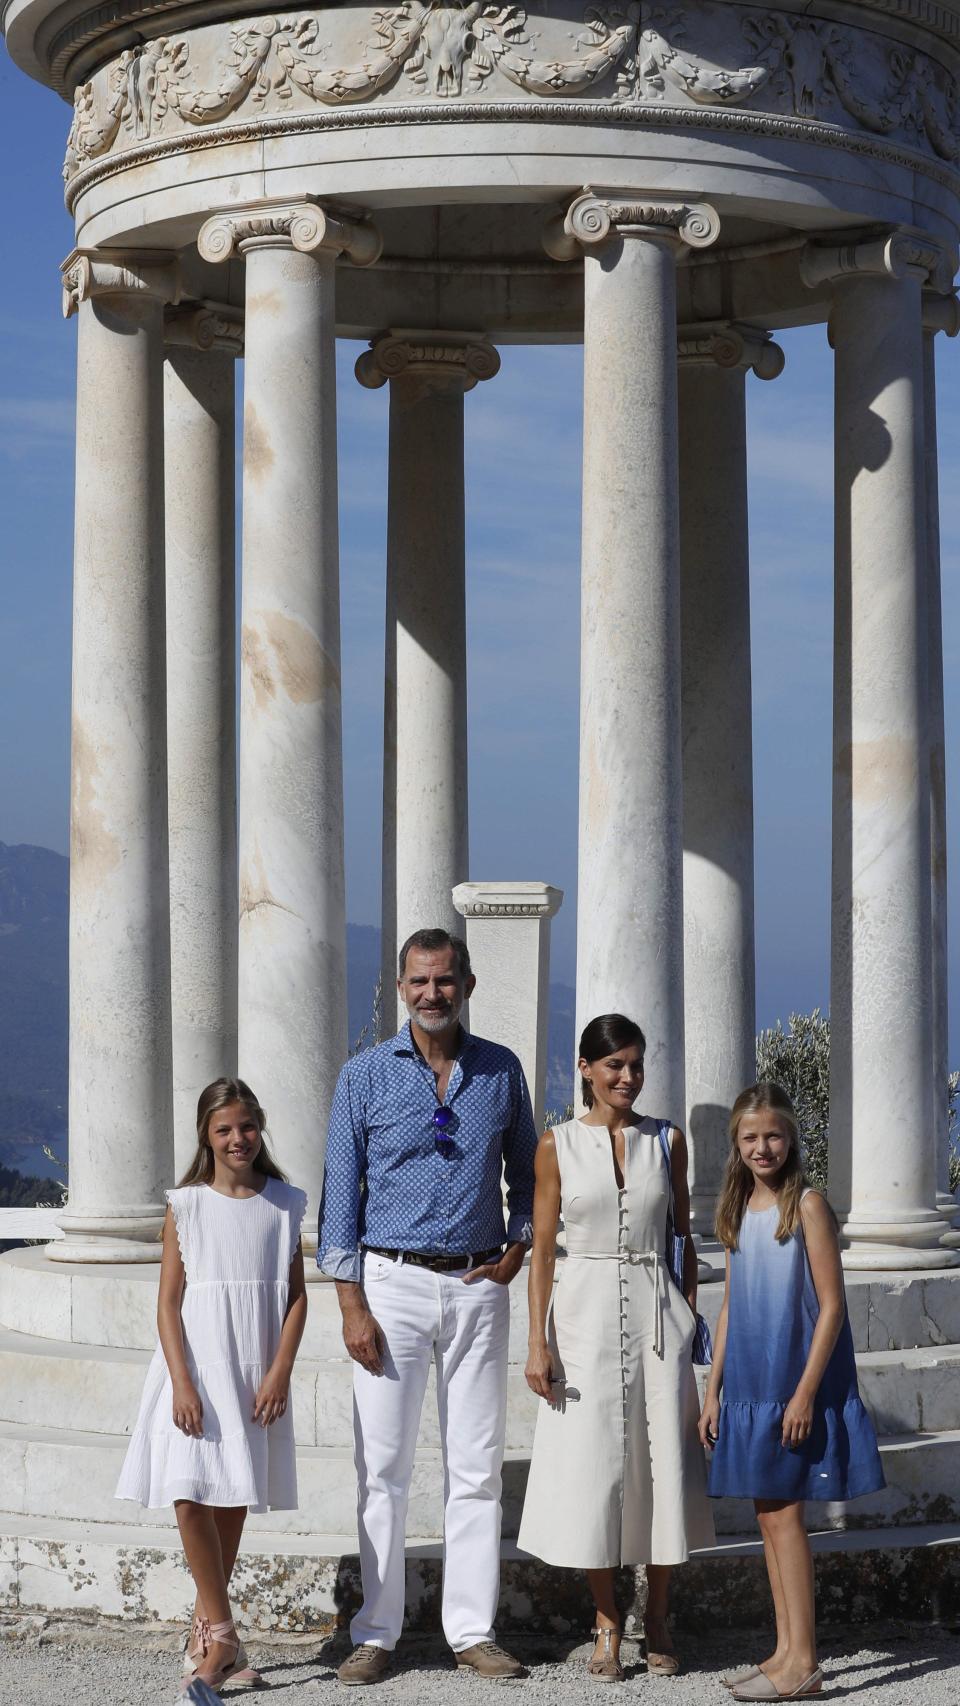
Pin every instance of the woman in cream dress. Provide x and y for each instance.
(617, 1474)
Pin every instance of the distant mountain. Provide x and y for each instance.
(33, 1009)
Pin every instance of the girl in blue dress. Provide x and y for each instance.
(790, 1425)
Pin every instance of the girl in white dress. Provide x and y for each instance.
(214, 1436)
(617, 1474)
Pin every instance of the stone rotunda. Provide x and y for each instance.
(672, 184)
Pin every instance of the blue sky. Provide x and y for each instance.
(523, 449)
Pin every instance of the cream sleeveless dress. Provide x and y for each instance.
(236, 1255)
(617, 1474)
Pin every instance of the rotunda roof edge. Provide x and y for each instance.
(59, 44)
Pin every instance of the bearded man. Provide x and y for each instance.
(422, 1129)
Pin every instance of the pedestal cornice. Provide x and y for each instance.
(507, 900)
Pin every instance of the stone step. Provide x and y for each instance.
(44, 1471)
(98, 1389)
(310, 1583)
(115, 1304)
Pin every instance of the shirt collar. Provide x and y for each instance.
(403, 1042)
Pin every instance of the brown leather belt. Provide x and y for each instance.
(437, 1264)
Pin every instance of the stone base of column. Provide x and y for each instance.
(949, 1208)
(124, 1235)
(914, 1241)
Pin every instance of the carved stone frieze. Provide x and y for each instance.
(431, 362)
(427, 54)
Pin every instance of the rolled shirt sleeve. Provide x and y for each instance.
(338, 1238)
(519, 1149)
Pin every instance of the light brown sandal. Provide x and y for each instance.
(660, 1664)
(604, 1666)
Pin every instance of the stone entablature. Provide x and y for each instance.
(713, 64)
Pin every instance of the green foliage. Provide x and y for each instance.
(21, 1190)
(798, 1059)
(557, 1116)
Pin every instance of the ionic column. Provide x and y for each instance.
(202, 346)
(292, 939)
(425, 833)
(121, 1138)
(882, 1176)
(941, 314)
(630, 902)
(718, 939)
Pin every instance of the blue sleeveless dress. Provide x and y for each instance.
(771, 1314)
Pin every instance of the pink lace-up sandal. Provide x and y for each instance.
(237, 1669)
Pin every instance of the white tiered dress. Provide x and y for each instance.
(617, 1474)
(236, 1254)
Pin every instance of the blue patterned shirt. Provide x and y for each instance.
(386, 1182)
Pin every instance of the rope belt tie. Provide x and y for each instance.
(637, 1259)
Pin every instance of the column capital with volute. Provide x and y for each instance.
(90, 273)
(204, 326)
(941, 312)
(723, 343)
(303, 225)
(593, 218)
(903, 253)
(433, 359)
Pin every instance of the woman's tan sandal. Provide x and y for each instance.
(604, 1665)
(660, 1664)
(732, 1678)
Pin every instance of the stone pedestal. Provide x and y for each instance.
(121, 1138)
(201, 711)
(630, 879)
(292, 939)
(718, 941)
(425, 830)
(508, 934)
(882, 1176)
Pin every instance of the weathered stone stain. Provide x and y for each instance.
(94, 852)
(302, 667)
(258, 452)
(879, 769)
(256, 667)
(255, 892)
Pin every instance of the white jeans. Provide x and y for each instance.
(464, 1329)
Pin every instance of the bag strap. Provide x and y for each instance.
(663, 1132)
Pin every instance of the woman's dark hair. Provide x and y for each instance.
(604, 1036)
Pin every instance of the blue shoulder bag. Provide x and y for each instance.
(702, 1352)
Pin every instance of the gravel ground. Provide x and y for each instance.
(47, 1664)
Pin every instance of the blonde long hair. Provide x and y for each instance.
(220, 1094)
(738, 1179)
